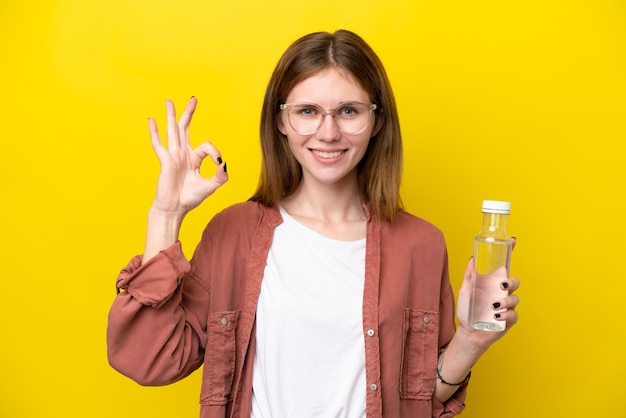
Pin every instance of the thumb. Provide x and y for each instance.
(467, 276)
(221, 175)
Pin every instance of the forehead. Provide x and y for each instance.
(328, 87)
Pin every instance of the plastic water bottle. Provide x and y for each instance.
(492, 259)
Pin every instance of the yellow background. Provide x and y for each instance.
(516, 100)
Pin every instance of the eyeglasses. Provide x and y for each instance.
(351, 118)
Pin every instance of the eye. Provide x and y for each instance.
(306, 111)
(348, 111)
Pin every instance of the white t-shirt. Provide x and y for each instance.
(309, 359)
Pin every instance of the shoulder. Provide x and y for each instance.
(239, 211)
(408, 224)
(412, 233)
(243, 216)
(232, 229)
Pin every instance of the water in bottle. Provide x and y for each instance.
(492, 258)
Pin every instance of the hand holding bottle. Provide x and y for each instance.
(503, 307)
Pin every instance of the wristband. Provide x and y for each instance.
(453, 384)
(444, 381)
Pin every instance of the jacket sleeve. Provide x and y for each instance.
(156, 330)
(456, 403)
(452, 406)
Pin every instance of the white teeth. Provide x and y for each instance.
(324, 154)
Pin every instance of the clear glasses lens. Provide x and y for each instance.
(351, 118)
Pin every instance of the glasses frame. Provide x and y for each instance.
(326, 112)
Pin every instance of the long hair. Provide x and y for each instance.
(380, 169)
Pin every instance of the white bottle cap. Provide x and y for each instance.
(496, 206)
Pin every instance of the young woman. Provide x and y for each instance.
(318, 297)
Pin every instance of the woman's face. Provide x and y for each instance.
(327, 156)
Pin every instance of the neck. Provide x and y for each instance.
(327, 203)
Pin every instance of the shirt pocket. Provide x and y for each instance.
(219, 358)
(418, 374)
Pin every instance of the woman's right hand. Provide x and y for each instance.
(181, 187)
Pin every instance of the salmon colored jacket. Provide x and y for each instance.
(172, 316)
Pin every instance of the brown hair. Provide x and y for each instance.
(380, 170)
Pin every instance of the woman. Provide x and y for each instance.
(319, 296)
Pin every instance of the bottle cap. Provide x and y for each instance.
(496, 206)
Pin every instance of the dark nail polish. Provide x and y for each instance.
(219, 160)
(496, 305)
(225, 170)
(497, 315)
(191, 98)
(505, 285)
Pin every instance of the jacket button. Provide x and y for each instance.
(370, 332)
(373, 386)
(426, 320)
(224, 321)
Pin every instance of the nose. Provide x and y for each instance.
(328, 130)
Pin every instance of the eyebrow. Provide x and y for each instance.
(319, 105)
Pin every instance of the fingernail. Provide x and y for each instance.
(219, 160)
(505, 285)
(496, 305)
(191, 97)
(497, 315)
(225, 170)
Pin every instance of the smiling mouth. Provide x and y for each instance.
(327, 154)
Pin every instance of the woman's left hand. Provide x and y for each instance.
(481, 340)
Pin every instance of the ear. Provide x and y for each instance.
(379, 120)
(280, 124)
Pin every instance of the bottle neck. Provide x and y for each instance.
(495, 225)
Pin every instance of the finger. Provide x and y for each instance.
(469, 271)
(207, 149)
(510, 317)
(511, 284)
(514, 242)
(466, 285)
(469, 268)
(173, 142)
(220, 177)
(508, 302)
(157, 145)
(185, 121)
